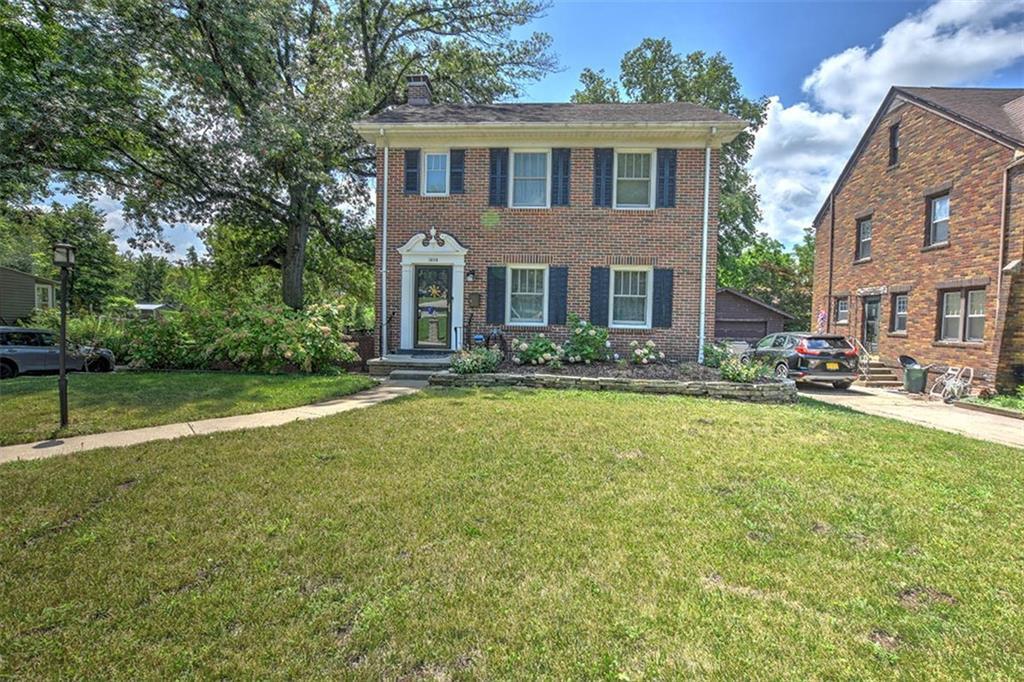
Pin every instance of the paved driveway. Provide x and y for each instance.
(932, 413)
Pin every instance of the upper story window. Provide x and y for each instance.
(631, 297)
(529, 179)
(842, 310)
(435, 176)
(894, 144)
(938, 219)
(526, 302)
(634, 179)
(864, 238)
(900, 306)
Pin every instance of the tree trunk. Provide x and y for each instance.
(294, 264)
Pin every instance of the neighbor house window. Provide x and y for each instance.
(963, 315)
(975, 330)
(631, 297)
(529, 179)
(842, 310)
(864, 238)
(938, 219)
(44, 296)
(634, 186)
(952, 304)
(894, 144)
(900, 303)
(527, 295)
(435, 179)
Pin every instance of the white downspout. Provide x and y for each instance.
(704, 252)
(384, 255)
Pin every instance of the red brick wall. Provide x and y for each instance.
(934, 152)
(578, 236)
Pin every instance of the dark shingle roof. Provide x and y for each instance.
(992, 109)
(668, 112)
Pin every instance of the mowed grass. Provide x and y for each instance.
(127, 400)
(522, 535)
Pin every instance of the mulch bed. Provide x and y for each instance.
(679, 371)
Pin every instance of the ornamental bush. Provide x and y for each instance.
(644, 354)
(587, 343)
(476, 361)
(716, 353)
(733, 370)
(540, 350)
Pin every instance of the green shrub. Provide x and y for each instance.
(734, 370)
(87, 329)
(644, 353)
(476, 361)
(540, 350)
(587, 343)
(716, 353)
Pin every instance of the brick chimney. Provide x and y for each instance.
(418, 90)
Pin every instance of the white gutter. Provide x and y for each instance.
(704, 252)
(384, 255)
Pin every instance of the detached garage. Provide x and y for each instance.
(739, 317)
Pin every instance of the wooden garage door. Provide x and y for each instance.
(745, 330)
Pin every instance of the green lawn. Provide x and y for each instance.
(522, 535)
(128, 400)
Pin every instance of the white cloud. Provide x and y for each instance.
(801, 149)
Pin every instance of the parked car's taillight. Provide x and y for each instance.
(802, 349)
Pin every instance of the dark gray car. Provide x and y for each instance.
(803, 356)
(36, 351)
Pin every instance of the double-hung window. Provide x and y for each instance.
(44, 296)
(894, 144)
(975, 328)
(435, 176)
(962, 315)
(864, 238)
(634, 179)
(529, 178)
(631, 297)
(952, 309)
(900, 306)
(842, 310)
(938, 219)
(527, 301)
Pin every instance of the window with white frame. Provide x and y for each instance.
(435, 176)
(529, 178)
(938, 219)
(963, 315)
(952, 302)
(864, 238)
(631, 297)
(900, 305)
(634, 179)
(975, 330)
(44, 296)
(842, 310)
(527, 298)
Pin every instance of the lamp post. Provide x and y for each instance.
(63, 258)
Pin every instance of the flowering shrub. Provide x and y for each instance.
(587, 343)
(733, 370)
(645, 354)
(540, 350)
(476, 361)
(716, 353)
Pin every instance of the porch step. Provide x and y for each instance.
(412, 374)
(386, 366)
(882, 383)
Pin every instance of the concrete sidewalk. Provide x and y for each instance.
(931, 413)
(64, 446)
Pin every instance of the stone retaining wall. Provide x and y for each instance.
(777, 392)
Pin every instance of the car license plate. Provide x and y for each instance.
(832, 365)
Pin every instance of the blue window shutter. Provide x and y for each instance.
(558, 289)
(603, 169)
(662, 303)
(666, 195)
(499, 177)
(599, 296)
(412, 171)
(457, 171)
(496, 294)
(561, 161)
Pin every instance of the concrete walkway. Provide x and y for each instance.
(931, 413)
(65, 446)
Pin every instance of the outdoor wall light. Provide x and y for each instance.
(470, 275)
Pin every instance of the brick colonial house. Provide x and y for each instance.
(513, 216)
(920, 242)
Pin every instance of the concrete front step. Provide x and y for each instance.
(413, 374)
(382, 367)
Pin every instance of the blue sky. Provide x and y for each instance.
(824, 65)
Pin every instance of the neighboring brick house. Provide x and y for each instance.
(513, 216)
(920, 242)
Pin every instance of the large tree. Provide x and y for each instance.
(654, 72)
(239, 111)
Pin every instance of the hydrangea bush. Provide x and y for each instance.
(587, 343)
(733, 370)
(540, 350)
(644, 354)
(716, 353)
(476, 361)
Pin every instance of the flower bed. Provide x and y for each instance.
(771, 392)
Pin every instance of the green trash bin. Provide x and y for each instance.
(915, 378)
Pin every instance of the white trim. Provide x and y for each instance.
(49, 294)
(512, 175)
(440, 248)
(447, 154)
(651, 193)
(508, 294)
(649, 303)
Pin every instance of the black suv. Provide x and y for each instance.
(803, 356)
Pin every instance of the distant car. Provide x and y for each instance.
(803, 356)
(36, 351)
